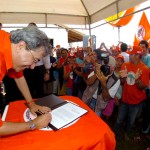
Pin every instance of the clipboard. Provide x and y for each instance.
(52, 101)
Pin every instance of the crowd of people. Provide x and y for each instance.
(102, 78)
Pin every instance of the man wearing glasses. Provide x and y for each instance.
(36, 77)
(19, 50)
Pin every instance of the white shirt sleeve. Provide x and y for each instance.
(46, 62)
(91, 74)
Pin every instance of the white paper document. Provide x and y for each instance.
(65, 114)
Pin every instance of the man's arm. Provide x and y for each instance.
(139, 84)
(105, 92)
(9, 128)
(123, 75)
(23, 87)
(109, 93)
(91, 78)
(103, 80)
(108, 50)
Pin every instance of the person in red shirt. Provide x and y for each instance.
(60, 65)
(19, 50)
(69, 71)
(134, 78)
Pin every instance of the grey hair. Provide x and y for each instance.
(32, 36)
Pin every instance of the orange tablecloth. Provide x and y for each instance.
(88, 133)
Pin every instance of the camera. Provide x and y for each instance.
(105, 68)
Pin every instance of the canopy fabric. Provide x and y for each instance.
(80, 12)
(73, 35)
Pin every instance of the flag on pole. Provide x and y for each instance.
(143, 30)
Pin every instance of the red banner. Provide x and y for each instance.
(143, 30)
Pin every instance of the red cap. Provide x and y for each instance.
(116, 48)
(120, 56)
(71, 54)
(136, 50)
(79, 49)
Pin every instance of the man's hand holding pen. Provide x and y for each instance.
(36, 108)
(42, 121)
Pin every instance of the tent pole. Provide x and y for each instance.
(90, 35)
(119, 34)
(89, 24)
(46, 20)
(117, 7)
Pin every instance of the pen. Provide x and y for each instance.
(39, 113)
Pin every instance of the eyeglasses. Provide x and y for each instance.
(35, 59)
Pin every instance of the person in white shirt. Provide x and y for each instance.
(124, 53)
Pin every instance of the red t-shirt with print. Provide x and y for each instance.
(131, 94)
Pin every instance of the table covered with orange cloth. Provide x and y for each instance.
(89, 133)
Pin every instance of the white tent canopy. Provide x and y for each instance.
(77, 12)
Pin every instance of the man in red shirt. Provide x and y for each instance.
(19, 50)
(134, 78)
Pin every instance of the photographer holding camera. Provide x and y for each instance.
(103, 83)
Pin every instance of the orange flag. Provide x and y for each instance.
(122, 21)
(143, 30)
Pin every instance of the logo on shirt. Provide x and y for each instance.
(131, 78)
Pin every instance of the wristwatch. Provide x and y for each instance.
(32, 125)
